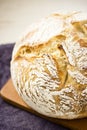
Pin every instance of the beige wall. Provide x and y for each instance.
(16, 15)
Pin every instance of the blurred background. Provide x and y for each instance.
(16, 15)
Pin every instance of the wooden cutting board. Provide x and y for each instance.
(9, 94)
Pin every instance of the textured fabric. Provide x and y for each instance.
(12, 118)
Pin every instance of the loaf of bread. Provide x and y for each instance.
(49, 66)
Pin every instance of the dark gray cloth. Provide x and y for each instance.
(11, 117)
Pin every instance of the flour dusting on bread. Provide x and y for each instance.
(49, 66)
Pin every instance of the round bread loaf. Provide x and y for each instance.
(49, 66)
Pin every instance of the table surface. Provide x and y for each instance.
(16, 15)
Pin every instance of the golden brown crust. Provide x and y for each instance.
(49, 66)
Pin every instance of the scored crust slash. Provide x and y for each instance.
(49, 66)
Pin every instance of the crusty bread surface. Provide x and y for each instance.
(49, 66)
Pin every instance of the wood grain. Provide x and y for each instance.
(9, 94)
